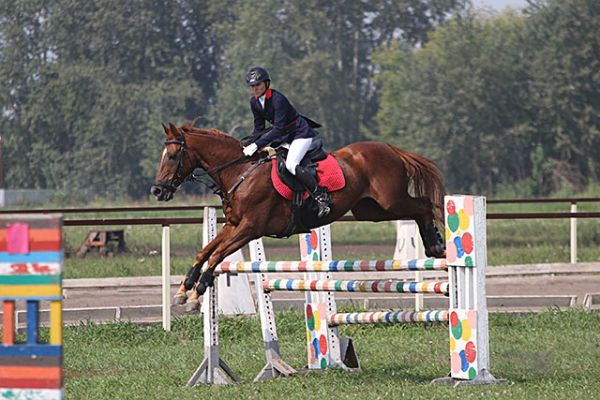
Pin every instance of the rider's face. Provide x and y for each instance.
(258, 89)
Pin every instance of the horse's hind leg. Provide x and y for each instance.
(430, 234)
(419, 209)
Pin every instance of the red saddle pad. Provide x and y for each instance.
(328, 171)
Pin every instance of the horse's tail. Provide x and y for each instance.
(426, 178)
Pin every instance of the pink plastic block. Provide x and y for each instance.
(17, 239)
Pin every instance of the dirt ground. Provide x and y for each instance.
(526, 280)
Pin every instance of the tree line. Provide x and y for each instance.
(495, 99)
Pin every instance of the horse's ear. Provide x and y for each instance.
(193, 123)
(173, 130)
(165, 128)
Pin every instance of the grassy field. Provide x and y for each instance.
(548, 355)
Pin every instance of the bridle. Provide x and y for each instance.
(172, 184)
(178, 179)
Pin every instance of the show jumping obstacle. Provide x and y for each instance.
(355, 286)
(31, 260)
(466, 261)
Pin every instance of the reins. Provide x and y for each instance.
(172, 185)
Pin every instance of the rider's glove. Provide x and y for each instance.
(250, 149)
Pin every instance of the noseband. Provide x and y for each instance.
(172, 184)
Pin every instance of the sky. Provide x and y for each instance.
(499, 5)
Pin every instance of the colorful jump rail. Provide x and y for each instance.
(384, 286)
(465, 263)
(387, 317)
(31, 260)
(333, 266)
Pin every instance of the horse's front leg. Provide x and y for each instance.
(192, 276)
(239, 237)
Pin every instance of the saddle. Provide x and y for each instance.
(314, 154)
(304, 208)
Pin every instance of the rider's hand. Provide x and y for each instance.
(250, 149)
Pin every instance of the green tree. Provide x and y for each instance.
(97, 78)
(501, 99)
(23, 57)
(462, 99)
(319, 53)
(565, 65)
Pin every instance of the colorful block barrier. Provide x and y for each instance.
(31, 259)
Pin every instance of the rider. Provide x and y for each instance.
(288, 127)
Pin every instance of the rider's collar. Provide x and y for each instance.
(268, 94)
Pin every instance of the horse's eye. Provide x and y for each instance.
(172, 158)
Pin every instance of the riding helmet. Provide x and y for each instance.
(257, 75)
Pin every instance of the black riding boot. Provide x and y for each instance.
(317, 192)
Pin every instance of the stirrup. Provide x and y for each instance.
(323, 203)
(324, 210)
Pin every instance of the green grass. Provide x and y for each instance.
(547, 355)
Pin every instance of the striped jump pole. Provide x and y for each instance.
(427, 264)
(383, 286)
(31, 259)
(387, 317)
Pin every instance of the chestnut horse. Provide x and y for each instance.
(378, 177)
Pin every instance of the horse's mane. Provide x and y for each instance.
(191, 129)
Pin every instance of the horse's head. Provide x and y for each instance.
(175, 165)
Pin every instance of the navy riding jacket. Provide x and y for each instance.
(287, 123)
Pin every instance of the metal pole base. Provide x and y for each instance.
(221, 375)
(275, 368)
(483, 378)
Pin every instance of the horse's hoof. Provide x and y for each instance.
(179, 299)
(192, 306)
(437, 251)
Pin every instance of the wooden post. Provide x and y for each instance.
(166, 278)
(573, 234)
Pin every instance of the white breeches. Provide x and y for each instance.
(296, 152)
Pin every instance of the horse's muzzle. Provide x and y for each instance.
(161, 193)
